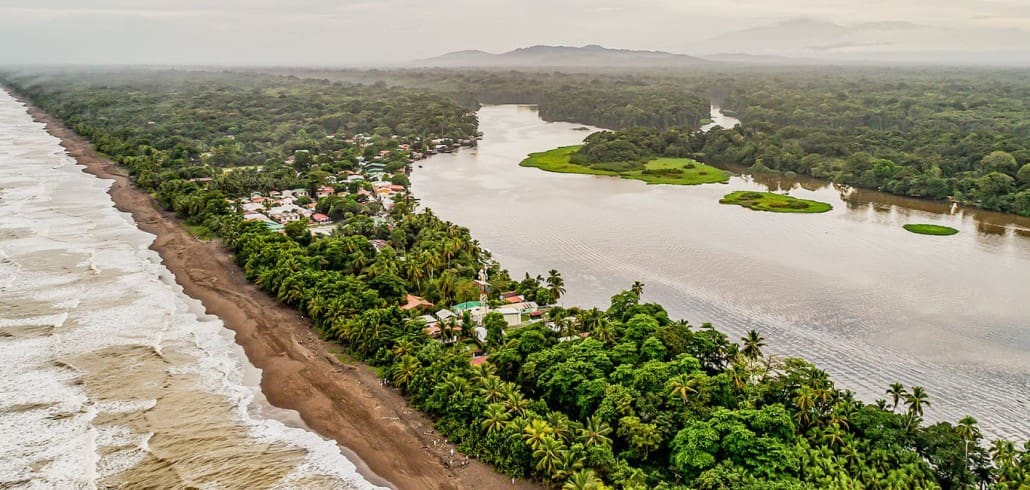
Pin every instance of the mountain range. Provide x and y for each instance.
(564, 56)
(792, 41)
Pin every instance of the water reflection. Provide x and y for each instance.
(849, 289)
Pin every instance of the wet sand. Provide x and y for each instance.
(341, 400)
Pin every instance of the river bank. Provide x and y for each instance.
(848, 289)
(341, 400)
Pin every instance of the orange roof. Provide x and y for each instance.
(415, 302)
(477, 361)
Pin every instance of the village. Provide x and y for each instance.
(372, 183)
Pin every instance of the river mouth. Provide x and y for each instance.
(849, 290)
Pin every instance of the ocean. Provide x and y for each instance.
(111, 376)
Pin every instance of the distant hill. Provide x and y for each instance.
(564, 56)
(872, 41)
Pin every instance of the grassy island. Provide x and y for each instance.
(678, 171)
(925, 229)
(777, 203)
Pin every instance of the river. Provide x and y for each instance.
(849, 290)
(111, 376)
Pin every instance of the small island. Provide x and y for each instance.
(659, 170)
(927, 229)
(777, 203)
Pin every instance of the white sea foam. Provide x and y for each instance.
(78, 286)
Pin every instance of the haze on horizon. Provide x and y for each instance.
(369, 32)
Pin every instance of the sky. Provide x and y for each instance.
(362, 32)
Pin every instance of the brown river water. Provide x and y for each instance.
(849, 290)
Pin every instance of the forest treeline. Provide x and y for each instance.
(932, 133)
(623, 397)
(927, 134)
(614, 101)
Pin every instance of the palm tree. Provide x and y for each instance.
(637, 288)
(583, 480)
(492, 389)
(494, 418)
(917, 400)
(405, 371)
(590, 319)
(536, 432)
(967, 430)
(548, 455)
(805, 402)
(568, 463)
(516, 403)
(555, 284)
(753, 344)
(604, 332)
(681, 386)
(595, 432)
(896, 392)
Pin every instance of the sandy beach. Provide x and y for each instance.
(341, 400)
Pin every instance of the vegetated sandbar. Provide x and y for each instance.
(677, 171)
(344, 401)
(777, 203)
(927, 229)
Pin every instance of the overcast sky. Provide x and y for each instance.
(339, 32)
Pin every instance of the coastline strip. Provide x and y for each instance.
(395, 444)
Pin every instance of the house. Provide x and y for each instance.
(272, 225)
(478, 361)
(355, 178)
(415, 302)
(511, 315)
(300, 192)
(319, 218)
(251, 207)
(429, 320)
(445, 315)
(474, 308)
(255, 217)
(324, 191)
(379, 244)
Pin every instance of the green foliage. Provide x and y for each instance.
(777, 203)
(925, 229)
(640, 401)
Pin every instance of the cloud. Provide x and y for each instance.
(368, 31)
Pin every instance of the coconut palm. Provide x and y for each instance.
(494, 418)
(637, 288)
(492, 389)
(405, 371)
(555, 284)
(583, 480)
(917, 400)
(595, 433)
(568, 463)
(604, 332)
(681, 386)
(752, 345)
(968, 431)
(548, 455)
(896, 392)
(536, 432)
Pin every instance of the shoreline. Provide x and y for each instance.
(390, 443)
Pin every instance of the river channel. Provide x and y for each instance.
(849, 290)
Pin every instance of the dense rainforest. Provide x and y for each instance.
(614, 101)
(934, 133)
(963, 135)
(589, 398)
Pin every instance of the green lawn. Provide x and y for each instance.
(924, 229)
(677, 171)
(777, 203)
